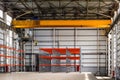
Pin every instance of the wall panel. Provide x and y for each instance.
(91, 41)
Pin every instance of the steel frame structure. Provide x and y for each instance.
(60, 9)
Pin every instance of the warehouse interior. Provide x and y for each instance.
(59, 40)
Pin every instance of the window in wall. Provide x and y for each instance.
(1, 13)
(8, 20)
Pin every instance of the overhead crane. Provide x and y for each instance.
(61, 23)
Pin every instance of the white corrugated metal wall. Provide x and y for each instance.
(92, 42)
(114, 51)
(2, 59)
(6, 38)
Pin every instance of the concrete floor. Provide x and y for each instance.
(46, 76)
(104, 78)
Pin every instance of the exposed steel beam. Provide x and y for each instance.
(61, 23)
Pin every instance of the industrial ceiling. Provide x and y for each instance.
(60, 9)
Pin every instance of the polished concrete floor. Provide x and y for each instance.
(47, 76)
(104, 78)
